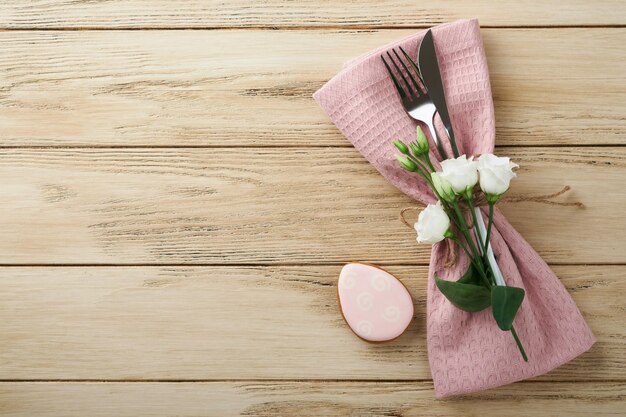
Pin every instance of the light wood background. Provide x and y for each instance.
(175, 208)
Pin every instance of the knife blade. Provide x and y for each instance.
(429, 68)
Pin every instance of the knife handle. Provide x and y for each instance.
(450, 133)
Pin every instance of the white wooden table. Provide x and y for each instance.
(175, 208)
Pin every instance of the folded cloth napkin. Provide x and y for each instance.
(467, 352)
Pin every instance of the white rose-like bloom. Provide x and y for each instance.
(495, 173)
(461, 173)
(432, 224)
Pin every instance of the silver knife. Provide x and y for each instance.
(429, 68)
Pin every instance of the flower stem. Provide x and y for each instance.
(421, 171)
(451, 215)
(519, 344)
(419, 163)
(489, 223)
(470, 204)
(482, 244)
(473, 261)
(476, 258)
(424, 173)
(465, 229)
(430, 164)
(458, 242)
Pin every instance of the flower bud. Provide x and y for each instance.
(421, 141)
(401, 147)
(415, 149)
(407, 163)
(442, 187)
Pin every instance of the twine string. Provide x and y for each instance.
(542, 198)
(451, 249)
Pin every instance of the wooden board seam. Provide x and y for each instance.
(280, 380)
(292, 27)
(287, 147)
(255, 264)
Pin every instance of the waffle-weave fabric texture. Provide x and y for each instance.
(467, 352)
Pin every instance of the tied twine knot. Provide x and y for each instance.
(451, 249)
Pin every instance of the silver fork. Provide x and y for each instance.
(413, 95)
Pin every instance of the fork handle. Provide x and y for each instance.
(435, 137)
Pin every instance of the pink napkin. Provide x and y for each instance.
(467, 352)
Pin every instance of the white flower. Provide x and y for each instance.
(461, 173)
(432, 224)
(495, 173)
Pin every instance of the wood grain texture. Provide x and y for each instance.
(273, 206)
(311, 13)
(242, 88)
(299, 399)
(201, 282)
(212, 323)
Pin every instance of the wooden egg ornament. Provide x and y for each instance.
(374, 303)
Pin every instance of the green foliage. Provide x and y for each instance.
(467, 297)
(505, 302)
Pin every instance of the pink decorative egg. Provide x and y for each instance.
(374, 303)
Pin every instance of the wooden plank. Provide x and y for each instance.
(235, 88)
(207, 323)
(290, 398)
(310, 13)
(273, 206)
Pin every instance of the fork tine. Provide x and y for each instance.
(408, 87)
(417, 70)
(393, 77)
(415, 84)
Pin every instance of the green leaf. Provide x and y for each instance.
(470, 276)
(506, 301)
(467, 297)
